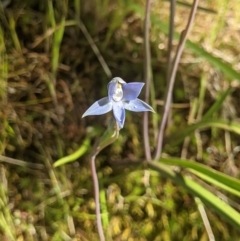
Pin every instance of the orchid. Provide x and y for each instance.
(121, 96)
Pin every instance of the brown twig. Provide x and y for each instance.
(168, 98)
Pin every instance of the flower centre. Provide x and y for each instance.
(118, 94)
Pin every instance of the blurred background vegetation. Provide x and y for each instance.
(56, 58)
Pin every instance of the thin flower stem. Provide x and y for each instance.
(108, 137)
(168, 98)
(147, 77)
(96, 196)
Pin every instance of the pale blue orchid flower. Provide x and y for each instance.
(121, 96)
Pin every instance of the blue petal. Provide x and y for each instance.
(131, 90)
(119, 113)
(137, 105)
(100, 107)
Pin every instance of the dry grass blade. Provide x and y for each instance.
(95, 49)
(205, 219)
(21, 163)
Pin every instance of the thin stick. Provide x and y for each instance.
(147, 78)
(168, 98)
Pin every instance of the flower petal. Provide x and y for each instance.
(119, 113)
(100, 107)
(137, 105)
(131, 90)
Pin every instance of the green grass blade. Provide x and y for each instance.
(224, 67)
(210, 175)
(57, 40)
(57, 37)
(3, 68)
(74, 156)
(217, 104)
(12, 27)
(212, 201)
(215, 182)
(177, 138)
(104, 210)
